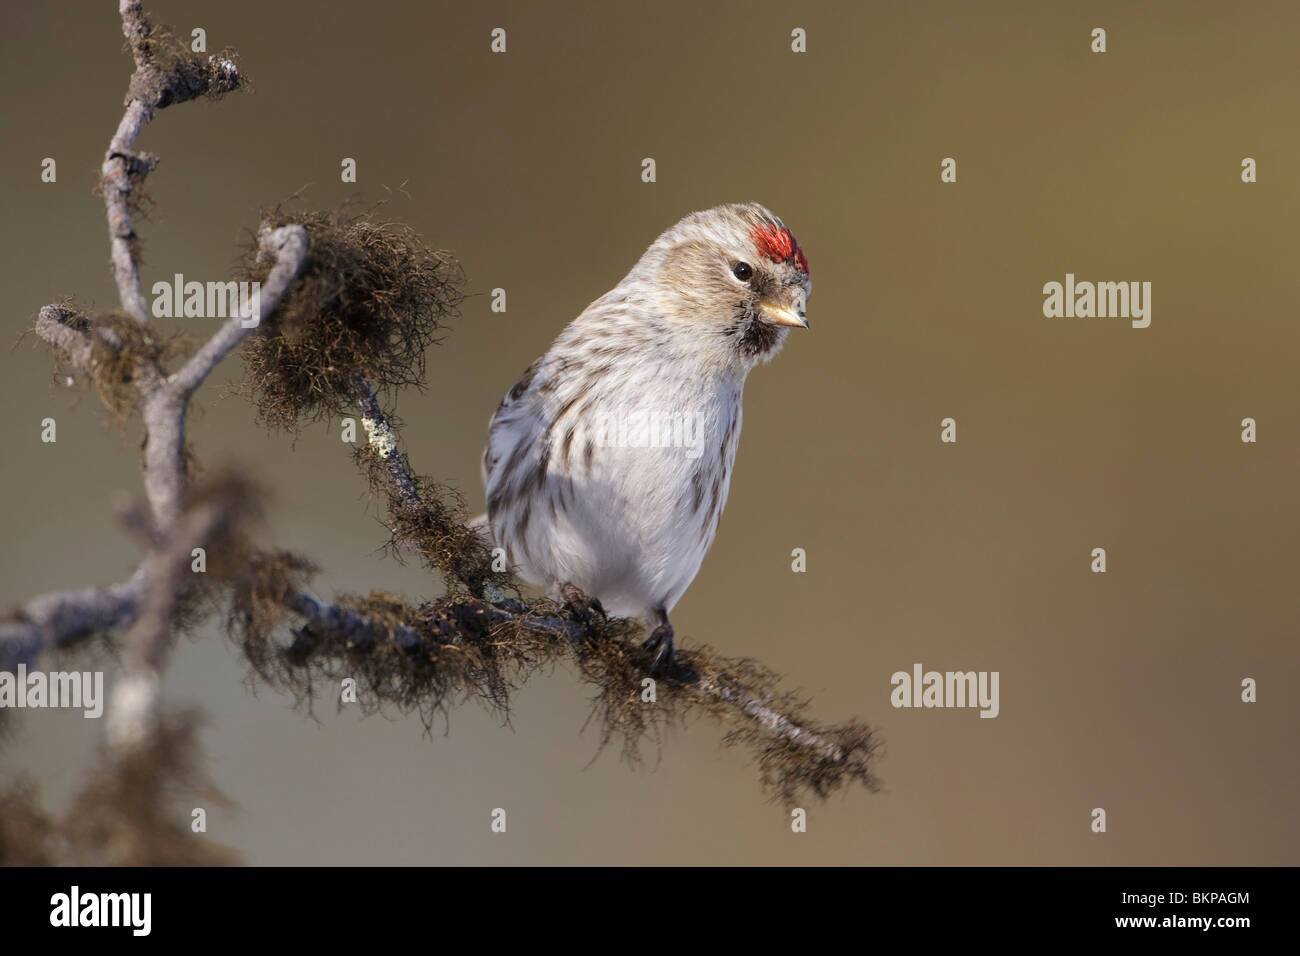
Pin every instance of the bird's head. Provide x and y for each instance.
(732, 280)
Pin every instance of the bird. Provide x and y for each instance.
(608, 463)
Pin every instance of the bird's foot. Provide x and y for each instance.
(660, 642)
(581, 606)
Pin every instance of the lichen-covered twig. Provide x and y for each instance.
(426, 659)
(285, 247)
(164, 400)
(59, 619)
(205, 524)
(165, 405)
(163, 75)
(383, 443)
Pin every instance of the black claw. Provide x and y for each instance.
(661, 642)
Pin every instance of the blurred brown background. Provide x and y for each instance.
(1118, 690)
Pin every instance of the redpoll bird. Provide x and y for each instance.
(608, 463)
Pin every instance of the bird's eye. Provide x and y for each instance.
(743, 271)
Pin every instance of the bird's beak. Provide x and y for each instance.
(781, 314)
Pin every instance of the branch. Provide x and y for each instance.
(417, 659)
(122, 170)
(359, 629)
(287, 245)
(165, 73)
(164, 399)
(66, 330)
(383, 442)
(770, 720)
(119, 168)
(60, 619)
(166, 568)
(165, 406)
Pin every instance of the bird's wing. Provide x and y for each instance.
(501, 437)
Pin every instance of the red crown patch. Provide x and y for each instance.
(777, 243)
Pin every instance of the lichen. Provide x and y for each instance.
(369, 301)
